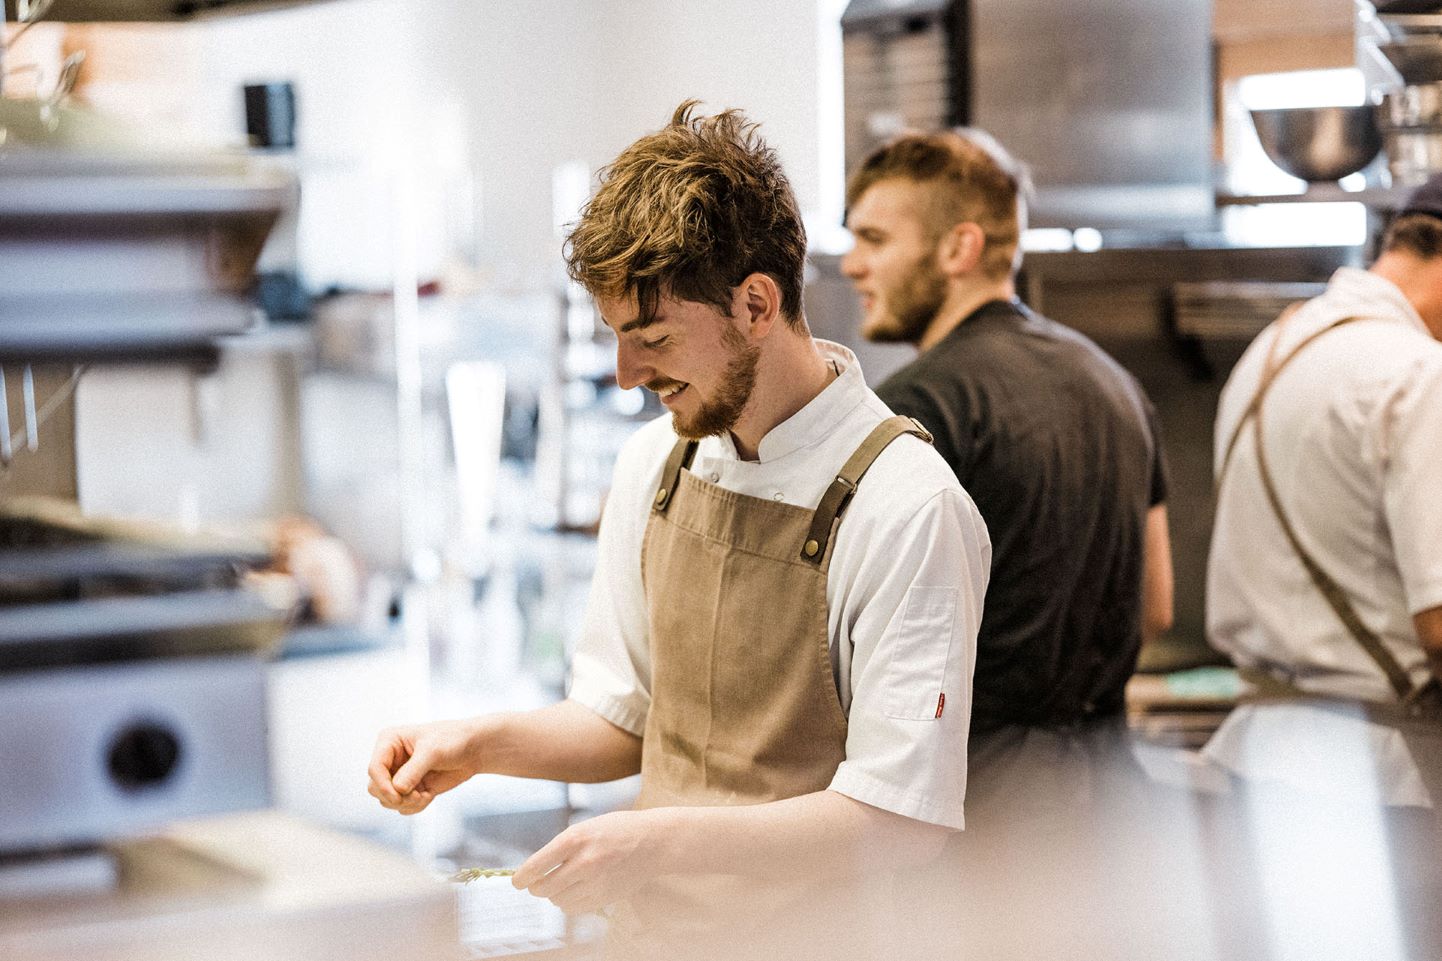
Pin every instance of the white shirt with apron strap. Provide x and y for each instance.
(904, 588)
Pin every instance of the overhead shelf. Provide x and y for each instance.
(121, 11)
(112, 254)
(1378, 198)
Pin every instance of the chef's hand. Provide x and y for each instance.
(411, 765)
(596, 862)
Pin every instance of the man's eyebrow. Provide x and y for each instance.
(640, 323)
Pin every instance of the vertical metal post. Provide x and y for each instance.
(32, 417)
(3, 21)
(7, 452)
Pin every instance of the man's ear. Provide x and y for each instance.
(757, 303)
(960, 249)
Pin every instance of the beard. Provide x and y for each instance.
(720, 413)
(910, 306)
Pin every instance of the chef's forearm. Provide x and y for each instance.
(561, 742)
(1157, 580)
(815, 835)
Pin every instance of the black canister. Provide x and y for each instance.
(270, 114)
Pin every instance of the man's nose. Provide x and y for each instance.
(630, 371)
(851, 264)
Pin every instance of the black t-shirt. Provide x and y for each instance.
(1059, 448)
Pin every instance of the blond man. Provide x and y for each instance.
(782, 620)
(1057, 444)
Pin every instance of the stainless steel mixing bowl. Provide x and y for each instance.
(1319, 143)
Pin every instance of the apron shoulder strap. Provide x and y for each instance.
(838, 495)
(1270, 369)
(680, 457)
(1330, 590)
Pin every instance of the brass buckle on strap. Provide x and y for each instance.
(833, 504)
(851, 489)
(925, 434)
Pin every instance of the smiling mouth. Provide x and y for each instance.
(669, 394)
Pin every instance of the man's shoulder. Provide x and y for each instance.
(935, 378)
(1084, 354)
(907, 473)
(1369, 355)
(987, 363)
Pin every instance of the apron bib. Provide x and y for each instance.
(744, 706)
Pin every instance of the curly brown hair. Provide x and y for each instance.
(689, 212)
(976, 181)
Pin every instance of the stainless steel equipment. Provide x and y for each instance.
(256, 885)
(1414, 106)
(111, 249)
(1234, 309)
(1415, 59)
(132, 666)
(1108, 101)
(101, 751)
(1413, 154)
(131, 660)
(130, 679)
(1400, 56)
(152, 10)
(1319, 143)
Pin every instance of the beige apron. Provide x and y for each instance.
(744, 704)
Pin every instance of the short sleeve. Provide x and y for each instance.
(913, 654)
(1158, 493)
(1412, 483)
(611, 667)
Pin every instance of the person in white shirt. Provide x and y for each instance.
(782, 623)
(1349, 605)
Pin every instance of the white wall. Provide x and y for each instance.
(473, 103)
(543, 82)
(483, 98)
(162, 441)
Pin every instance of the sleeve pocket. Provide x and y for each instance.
(920, 648)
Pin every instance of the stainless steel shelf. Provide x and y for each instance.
(1378, 198)
(101, 11)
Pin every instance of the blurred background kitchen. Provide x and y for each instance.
(304, 432)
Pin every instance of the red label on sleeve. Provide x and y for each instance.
(940, 703)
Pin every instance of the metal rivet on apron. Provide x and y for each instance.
(660, 497)
(776, 496)
(811, 548)
(715, 477)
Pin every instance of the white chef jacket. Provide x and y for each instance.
(904, 591)
(1353, 429)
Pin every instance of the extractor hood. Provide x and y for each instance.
(1108, 101)
(84, 11)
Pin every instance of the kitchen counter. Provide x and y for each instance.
(250, 886)
(1096, 844)
(1089, 844)
(1085, 843)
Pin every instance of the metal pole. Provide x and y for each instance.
(4, 19)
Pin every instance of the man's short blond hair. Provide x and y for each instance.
(689, 212)
(971, 179)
